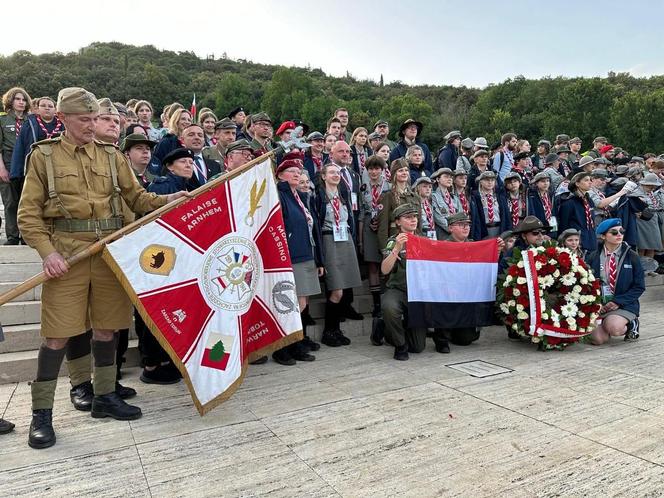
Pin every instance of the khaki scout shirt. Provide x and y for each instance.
(83, 183)
(397, 277)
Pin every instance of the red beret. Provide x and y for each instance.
(606, 149)
(289, 163)
(285, 126)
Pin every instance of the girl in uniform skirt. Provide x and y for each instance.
(341, 268)
(650, 231)
(371, 193)
(442, 200)
(423, 190)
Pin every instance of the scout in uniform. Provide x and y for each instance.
(395, 298)
(224, 133)
(515, 198)
(422, 188)
(442, 200)
(72, 197)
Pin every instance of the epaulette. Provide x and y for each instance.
(104, 144)
(46, 141)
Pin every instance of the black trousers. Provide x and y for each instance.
(152, 354)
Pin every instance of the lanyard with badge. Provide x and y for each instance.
(610, 270)
(339, 231)
(307, 215)
(431, 232)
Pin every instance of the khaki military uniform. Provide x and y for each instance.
(394, 306)
(72, 197)
(215, 153)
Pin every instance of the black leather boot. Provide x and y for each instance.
(42, 434)
(81, 396)
(112, 405)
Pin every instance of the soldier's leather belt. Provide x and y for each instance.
(95, 226)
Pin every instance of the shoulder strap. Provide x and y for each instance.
(47, 150)
(116, 206)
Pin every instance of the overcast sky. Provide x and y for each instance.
(418, 42)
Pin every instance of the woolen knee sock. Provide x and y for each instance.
(79, 345)
(49, 362)
(104, 353)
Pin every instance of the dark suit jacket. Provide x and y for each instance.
(213, 168)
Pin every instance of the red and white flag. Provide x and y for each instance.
(192, 110)
(451, 284)
(213, 280)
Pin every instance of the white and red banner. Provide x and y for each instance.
(212, 278)
(451, 284)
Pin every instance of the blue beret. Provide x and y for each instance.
(606, 225)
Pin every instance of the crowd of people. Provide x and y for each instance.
(349, 203)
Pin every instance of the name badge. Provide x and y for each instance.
(353, 200)
(607, 294)
(554, 223)
(340, 233)
(627, 266)
(431, 234)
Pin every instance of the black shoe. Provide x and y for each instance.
(81, 396)
(302, 355)
(12, 242)
(170, 367)
(377, 312)
(259, 361)
(632, 333)
(112, 405)
(345, 341)
(22, 242)
(5, 426)
(42, 434)
(124, 392)
(514, 335)
(331, 339)
(308, 342)
(377, 332)
(283, 358)
(443, 346)
(160, 375)
(401, 353)
(351, 314)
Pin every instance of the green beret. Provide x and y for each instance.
(76, 100)
(402, 210)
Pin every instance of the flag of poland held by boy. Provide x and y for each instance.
(451, 284)
(212, 278)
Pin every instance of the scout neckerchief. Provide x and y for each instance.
(602, 197)
(376, 190)
(318, 162)
(516, 211)
(19, 123)
(589, 213)
(426, 205)
(464, 202)
(546, 202)
(336, 208)
(58, 126)
(305, 211)
(449, 201)
(653, 199)
(611, 269)
(489, 206)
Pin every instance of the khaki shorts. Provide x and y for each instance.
(87, 295)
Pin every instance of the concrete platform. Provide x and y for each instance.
(355, 423)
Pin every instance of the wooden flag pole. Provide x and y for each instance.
(99, 245)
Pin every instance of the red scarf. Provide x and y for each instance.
(489, 207)
(464, 202)
(516, 211)
(546, 202)
(426, 205)
(449, 201)
(336, 209)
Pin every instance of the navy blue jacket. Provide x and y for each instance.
(416, 173)
(169, 184)
(536, 207)
(504, 196)
(630, 282)
(400, 151)
(167, 144)
(478, 229)
(30, 133)
(447, 158)
(297, 230)
(571, 214)
(356, 159)
(626, 210)
(310, 165)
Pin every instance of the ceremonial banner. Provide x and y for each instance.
(451, 284)
(212, 278)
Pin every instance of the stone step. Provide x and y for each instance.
(18, 254)
(19, 313)
(19, 272)
(33, 294)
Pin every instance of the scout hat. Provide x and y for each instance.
(239, 145)
(551, 158)
(452, 135)
(481, 152)
(409, 122)
(315, 135)
(135, 139)
(487, 175)
(458, 218)
(651, 179)
(235, 111)
(530, 223)
(606, 225)
(260, 116)
(225, 124)
(481, 143)
(540, 176)
(567, 234)
(563, 148)
(75, 100)
(421, 180)
(585, 160)
(442, 171)
(399, 211)
(107, 107)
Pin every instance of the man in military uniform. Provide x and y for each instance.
(261, 131)
(224, 133)
(108, 124)
(72, 197)
(395, 298)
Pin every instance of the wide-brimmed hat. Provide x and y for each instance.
(651, 179)
(585, 160)
(135, 139)
(409, 122)
(481, 143)
(563, 148)
(467, 143)
(530, 223)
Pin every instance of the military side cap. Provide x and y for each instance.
(225, 124)
(421, 180)
(174, 155)
(541, 176)
(403, 210)
(136, 139)
(458, 218)
(551, 158)
(107, 107)
(75, 100)
(260, 116)
(235, 111)
(239, 145)
(512, 175)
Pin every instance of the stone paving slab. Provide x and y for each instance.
(588, 421)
